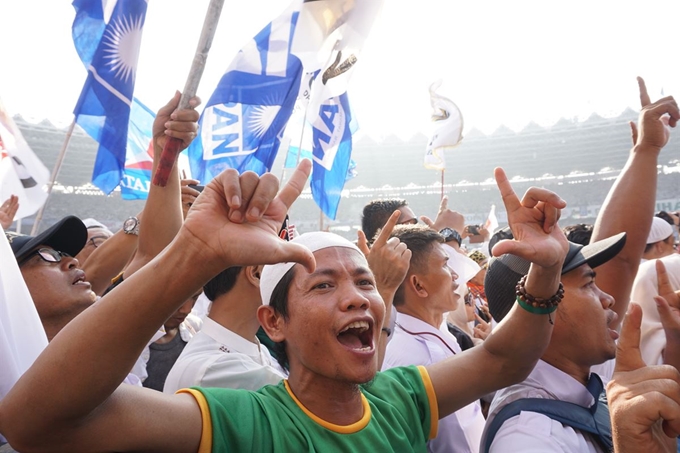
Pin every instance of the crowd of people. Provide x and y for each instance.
(207, 323)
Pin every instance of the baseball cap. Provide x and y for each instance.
(506, 270)
(68, 235)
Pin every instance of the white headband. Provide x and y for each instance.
(318, 240)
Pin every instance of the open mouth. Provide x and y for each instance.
(80, 279)
(357, 336)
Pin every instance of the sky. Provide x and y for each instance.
(501, 62)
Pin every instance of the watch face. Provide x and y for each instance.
(129, 224)
(447, 233)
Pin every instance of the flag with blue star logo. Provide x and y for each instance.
(107, 36)
(242, 123)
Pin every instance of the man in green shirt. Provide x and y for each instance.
(330, 322)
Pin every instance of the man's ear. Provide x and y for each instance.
(272, 323)
(253, 275)
(416, 285)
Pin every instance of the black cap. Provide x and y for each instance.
(505, 271)
(69, 235)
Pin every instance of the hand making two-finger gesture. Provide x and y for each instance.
(667, 304)
(652, 132)
(388, 258)
(644, 401)
(235, 221)
(533, 222)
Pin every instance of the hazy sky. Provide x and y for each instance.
(502, 62)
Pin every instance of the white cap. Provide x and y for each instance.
(659, 231)
(92, 223)
(318, 240)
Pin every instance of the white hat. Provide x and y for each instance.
(659, 231)
(318, 240)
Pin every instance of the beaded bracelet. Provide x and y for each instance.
(537, 305)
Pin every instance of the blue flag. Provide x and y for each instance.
(332, 150)
(107, 40)
(242, 124)
(139, 158)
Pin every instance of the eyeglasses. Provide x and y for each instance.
(96, 241)
(47, 255)
(408, 222)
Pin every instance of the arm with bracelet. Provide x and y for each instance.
(511, 351)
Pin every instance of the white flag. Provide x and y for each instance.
(491, 224)
(447, 130)
(22, 337)
(21, 172)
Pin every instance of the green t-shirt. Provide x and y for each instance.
(400, 414)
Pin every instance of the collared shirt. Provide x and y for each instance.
(460, 431)
(217, 357)
(534, 432)
(652, 335)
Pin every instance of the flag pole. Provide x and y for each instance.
(442, 196)
(171, 148)
(320, 219)
(53, 177)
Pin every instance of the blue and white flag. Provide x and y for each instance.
(242, 124)
(328, 41)
(107, 35)
(139, 158)
(332, 151)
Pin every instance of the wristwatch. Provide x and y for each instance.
(131, 226)
(451, 235)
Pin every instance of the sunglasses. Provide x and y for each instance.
(47, 255)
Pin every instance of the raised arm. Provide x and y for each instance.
(389, 260)
(634, 192)
(109, 259)
(510, 352)
(90, 412)
(163, 211)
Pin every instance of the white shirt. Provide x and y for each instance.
(460, 431)
(533, 432)
(217, 357)
(652, 335)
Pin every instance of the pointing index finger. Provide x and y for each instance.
(644, 97)
(444, 204)
(293, 188)
(508, 195)
(386, 230)
(628, 356)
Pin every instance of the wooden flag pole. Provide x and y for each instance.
(53, 178)
(172, 146)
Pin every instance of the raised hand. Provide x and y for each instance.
(388, 258)
(644, 402)
(189, 194)
(533, 222)
(482, 329)
(237, 218)
(181, 124)
(655, 118)
(446, 218)
(667, 304)
(8, 210)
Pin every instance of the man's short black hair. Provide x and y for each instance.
(579, 233)
(376, 213)
(419, 239)
(222, 283)
(279, 302)
(500, 235)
